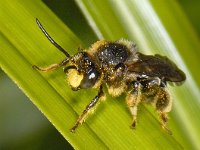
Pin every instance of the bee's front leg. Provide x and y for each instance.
(52, 66)
(88, 108)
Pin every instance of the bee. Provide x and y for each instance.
(122, 69)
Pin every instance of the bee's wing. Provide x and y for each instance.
(157, 66)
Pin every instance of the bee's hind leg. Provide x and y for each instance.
(163, 105)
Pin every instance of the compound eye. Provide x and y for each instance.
(89, 79)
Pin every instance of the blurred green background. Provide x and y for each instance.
(17, 130)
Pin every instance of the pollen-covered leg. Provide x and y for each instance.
(134, 114)
(164, 120)
(52, 66)
(163, 106)
(132, 100)
(87, 110)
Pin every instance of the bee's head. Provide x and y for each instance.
(84, 73)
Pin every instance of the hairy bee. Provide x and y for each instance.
(119, 66)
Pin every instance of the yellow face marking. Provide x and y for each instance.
(74, 78)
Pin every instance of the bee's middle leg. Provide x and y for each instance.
(132, 100)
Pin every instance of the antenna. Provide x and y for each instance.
(51, 40)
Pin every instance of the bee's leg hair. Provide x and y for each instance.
(163, 106)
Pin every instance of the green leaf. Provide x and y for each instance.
(154, 26)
